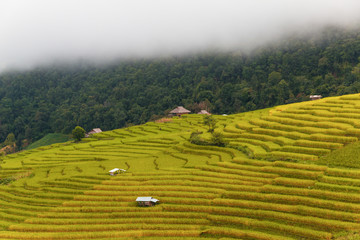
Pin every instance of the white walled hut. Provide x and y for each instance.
(146, 201)
(116, 171)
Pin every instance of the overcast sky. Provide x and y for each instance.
(40, 31)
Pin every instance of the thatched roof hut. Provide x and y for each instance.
(204, 112)
(180, 110)
(94, 130)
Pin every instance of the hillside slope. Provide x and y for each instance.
(57, 98)
(49, 139)
(272, 189)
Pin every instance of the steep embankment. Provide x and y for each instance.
(63, 191)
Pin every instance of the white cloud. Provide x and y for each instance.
(37, 31)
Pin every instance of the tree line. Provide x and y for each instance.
(57, 98)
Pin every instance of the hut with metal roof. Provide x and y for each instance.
(315, 97)
(116, 171)
(180, 110)
(146, 201)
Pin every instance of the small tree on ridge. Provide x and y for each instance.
(78, 133)
(210, 121)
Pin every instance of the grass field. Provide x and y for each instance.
(50, 138)
(289, 172)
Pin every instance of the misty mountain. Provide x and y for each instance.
(39, 31)
(56, 98)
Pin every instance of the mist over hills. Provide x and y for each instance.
(56, 98)
(38, 32)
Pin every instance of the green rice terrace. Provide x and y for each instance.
(289, 172)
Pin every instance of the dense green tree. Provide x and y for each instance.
(10, 139)
(78, 133)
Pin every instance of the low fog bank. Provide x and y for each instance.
(42, 32)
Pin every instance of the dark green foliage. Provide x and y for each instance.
(10, 139)
(6, 181)
(78, 133)
(217, 139)
(58, 98)
(210, 121)
(195, 138)
(244, 149)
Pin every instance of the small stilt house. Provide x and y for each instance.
(116, 171)
(180, 110)
(146, 201)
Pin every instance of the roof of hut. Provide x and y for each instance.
(204, 112)
(315, 96)
(146, 199)
(117, 169)
(180, 109)
(96, 130)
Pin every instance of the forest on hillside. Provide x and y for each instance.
(57, 98)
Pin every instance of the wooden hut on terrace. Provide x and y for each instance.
(180, 110)
(204, 112)
(315, 97)
(146, 201)
(116, 171)
(95, 130)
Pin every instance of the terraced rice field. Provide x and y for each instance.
(274, 188)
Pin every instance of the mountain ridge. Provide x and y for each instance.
(56, 99)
